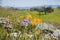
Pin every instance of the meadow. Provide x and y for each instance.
(53, 17)
(14, 15)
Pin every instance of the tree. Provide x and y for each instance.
(43, 9)
(49, 9)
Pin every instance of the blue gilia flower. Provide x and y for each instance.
(25, 22)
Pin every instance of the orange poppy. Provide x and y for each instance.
(39, 20)
(34, 21)
(21, 17)
(29, 16)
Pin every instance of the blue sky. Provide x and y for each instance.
(29, 3)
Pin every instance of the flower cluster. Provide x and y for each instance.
(29, 21)
(35, 21)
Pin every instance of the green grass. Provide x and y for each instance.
(53, 17)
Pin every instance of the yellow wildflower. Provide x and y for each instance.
(21, 17)
(39, 20)
(29, 16)
(34, 22)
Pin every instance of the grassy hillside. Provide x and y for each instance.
(53, 17)
(14, 17)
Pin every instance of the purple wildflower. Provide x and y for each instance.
(25, 22)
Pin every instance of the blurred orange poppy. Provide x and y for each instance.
(21, 17)
(34, 21)
(39, 20)
(29, 16)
